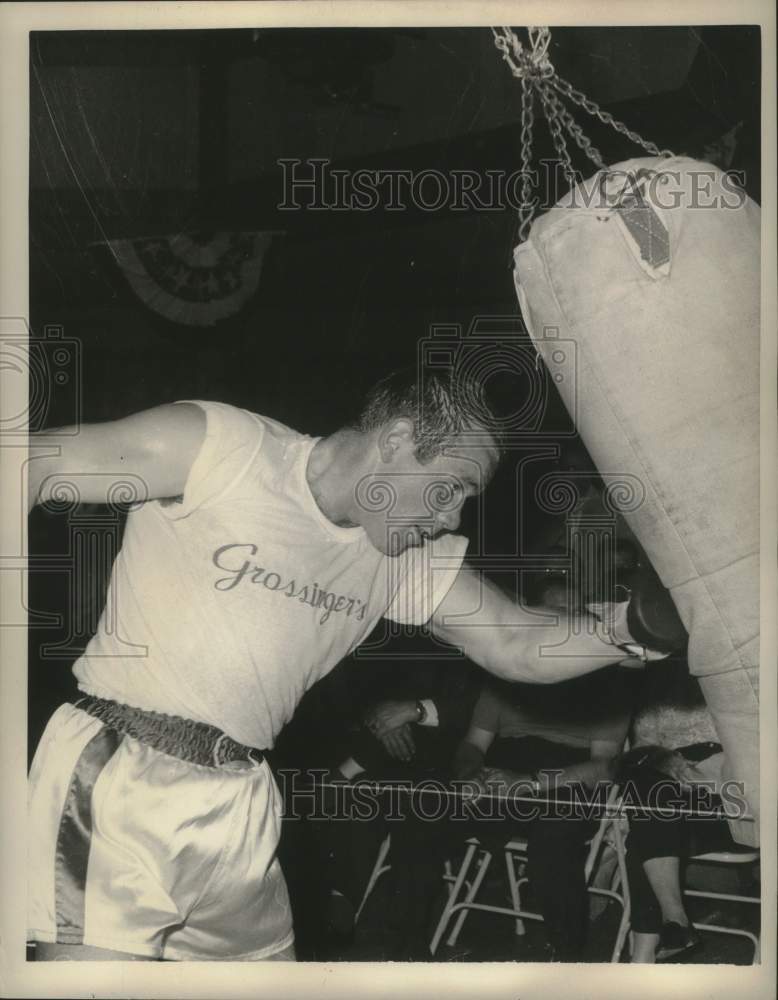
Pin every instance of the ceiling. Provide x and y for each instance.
(143, 133)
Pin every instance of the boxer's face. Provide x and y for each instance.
(405, 501)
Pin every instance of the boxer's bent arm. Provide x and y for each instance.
(513, 643)
(155, 449)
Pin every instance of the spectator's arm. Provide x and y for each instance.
(471, 752)
(601, 766)
(387, 716)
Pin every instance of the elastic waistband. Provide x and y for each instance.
(195, 742)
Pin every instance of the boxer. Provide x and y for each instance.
(255, 559)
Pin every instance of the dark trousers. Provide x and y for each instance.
(653, 835)
(556, 837)
(349, 848)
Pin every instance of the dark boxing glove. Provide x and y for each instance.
(643, 619)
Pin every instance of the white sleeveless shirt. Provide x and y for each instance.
(228, 603)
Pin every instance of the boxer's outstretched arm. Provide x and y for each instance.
(155, 449)
(518, 644)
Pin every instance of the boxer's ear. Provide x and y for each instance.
(396, 437)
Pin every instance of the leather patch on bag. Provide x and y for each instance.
(640, 221)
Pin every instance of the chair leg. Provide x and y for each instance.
(733, 932)
(453, 896)
(621, 936)
(378, 869)
(483, 865)
(515, 895)
(620, 876)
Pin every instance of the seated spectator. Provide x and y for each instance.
(419, 732)
(561, 735)
(408, 737)
(675, 762)
(558, 734)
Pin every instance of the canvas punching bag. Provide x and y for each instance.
(640, 289)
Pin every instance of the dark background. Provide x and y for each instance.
(145, 134)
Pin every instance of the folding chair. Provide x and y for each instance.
(379, 868)
(727, 858)
(465, 885)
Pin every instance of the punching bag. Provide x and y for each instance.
(640, 289)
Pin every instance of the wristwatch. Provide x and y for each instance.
(421, 708)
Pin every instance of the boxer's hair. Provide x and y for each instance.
(442, 405)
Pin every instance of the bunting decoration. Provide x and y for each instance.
(195, 279)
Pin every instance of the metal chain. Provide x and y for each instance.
(579, 98)
(523, 63)
(555, 127)
(538, 76)
(527, 209)
(557, 116)
(583, 142)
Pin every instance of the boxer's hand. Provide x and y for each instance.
(399, 743)
(613, 627)
(633, 662)
(612, 616)
(387, 716)
(647, 618)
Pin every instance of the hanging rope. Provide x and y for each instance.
(532, 66)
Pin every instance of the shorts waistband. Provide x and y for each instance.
(195, 742)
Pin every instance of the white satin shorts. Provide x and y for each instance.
(136, 851)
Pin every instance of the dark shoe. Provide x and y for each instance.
(675, 939)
